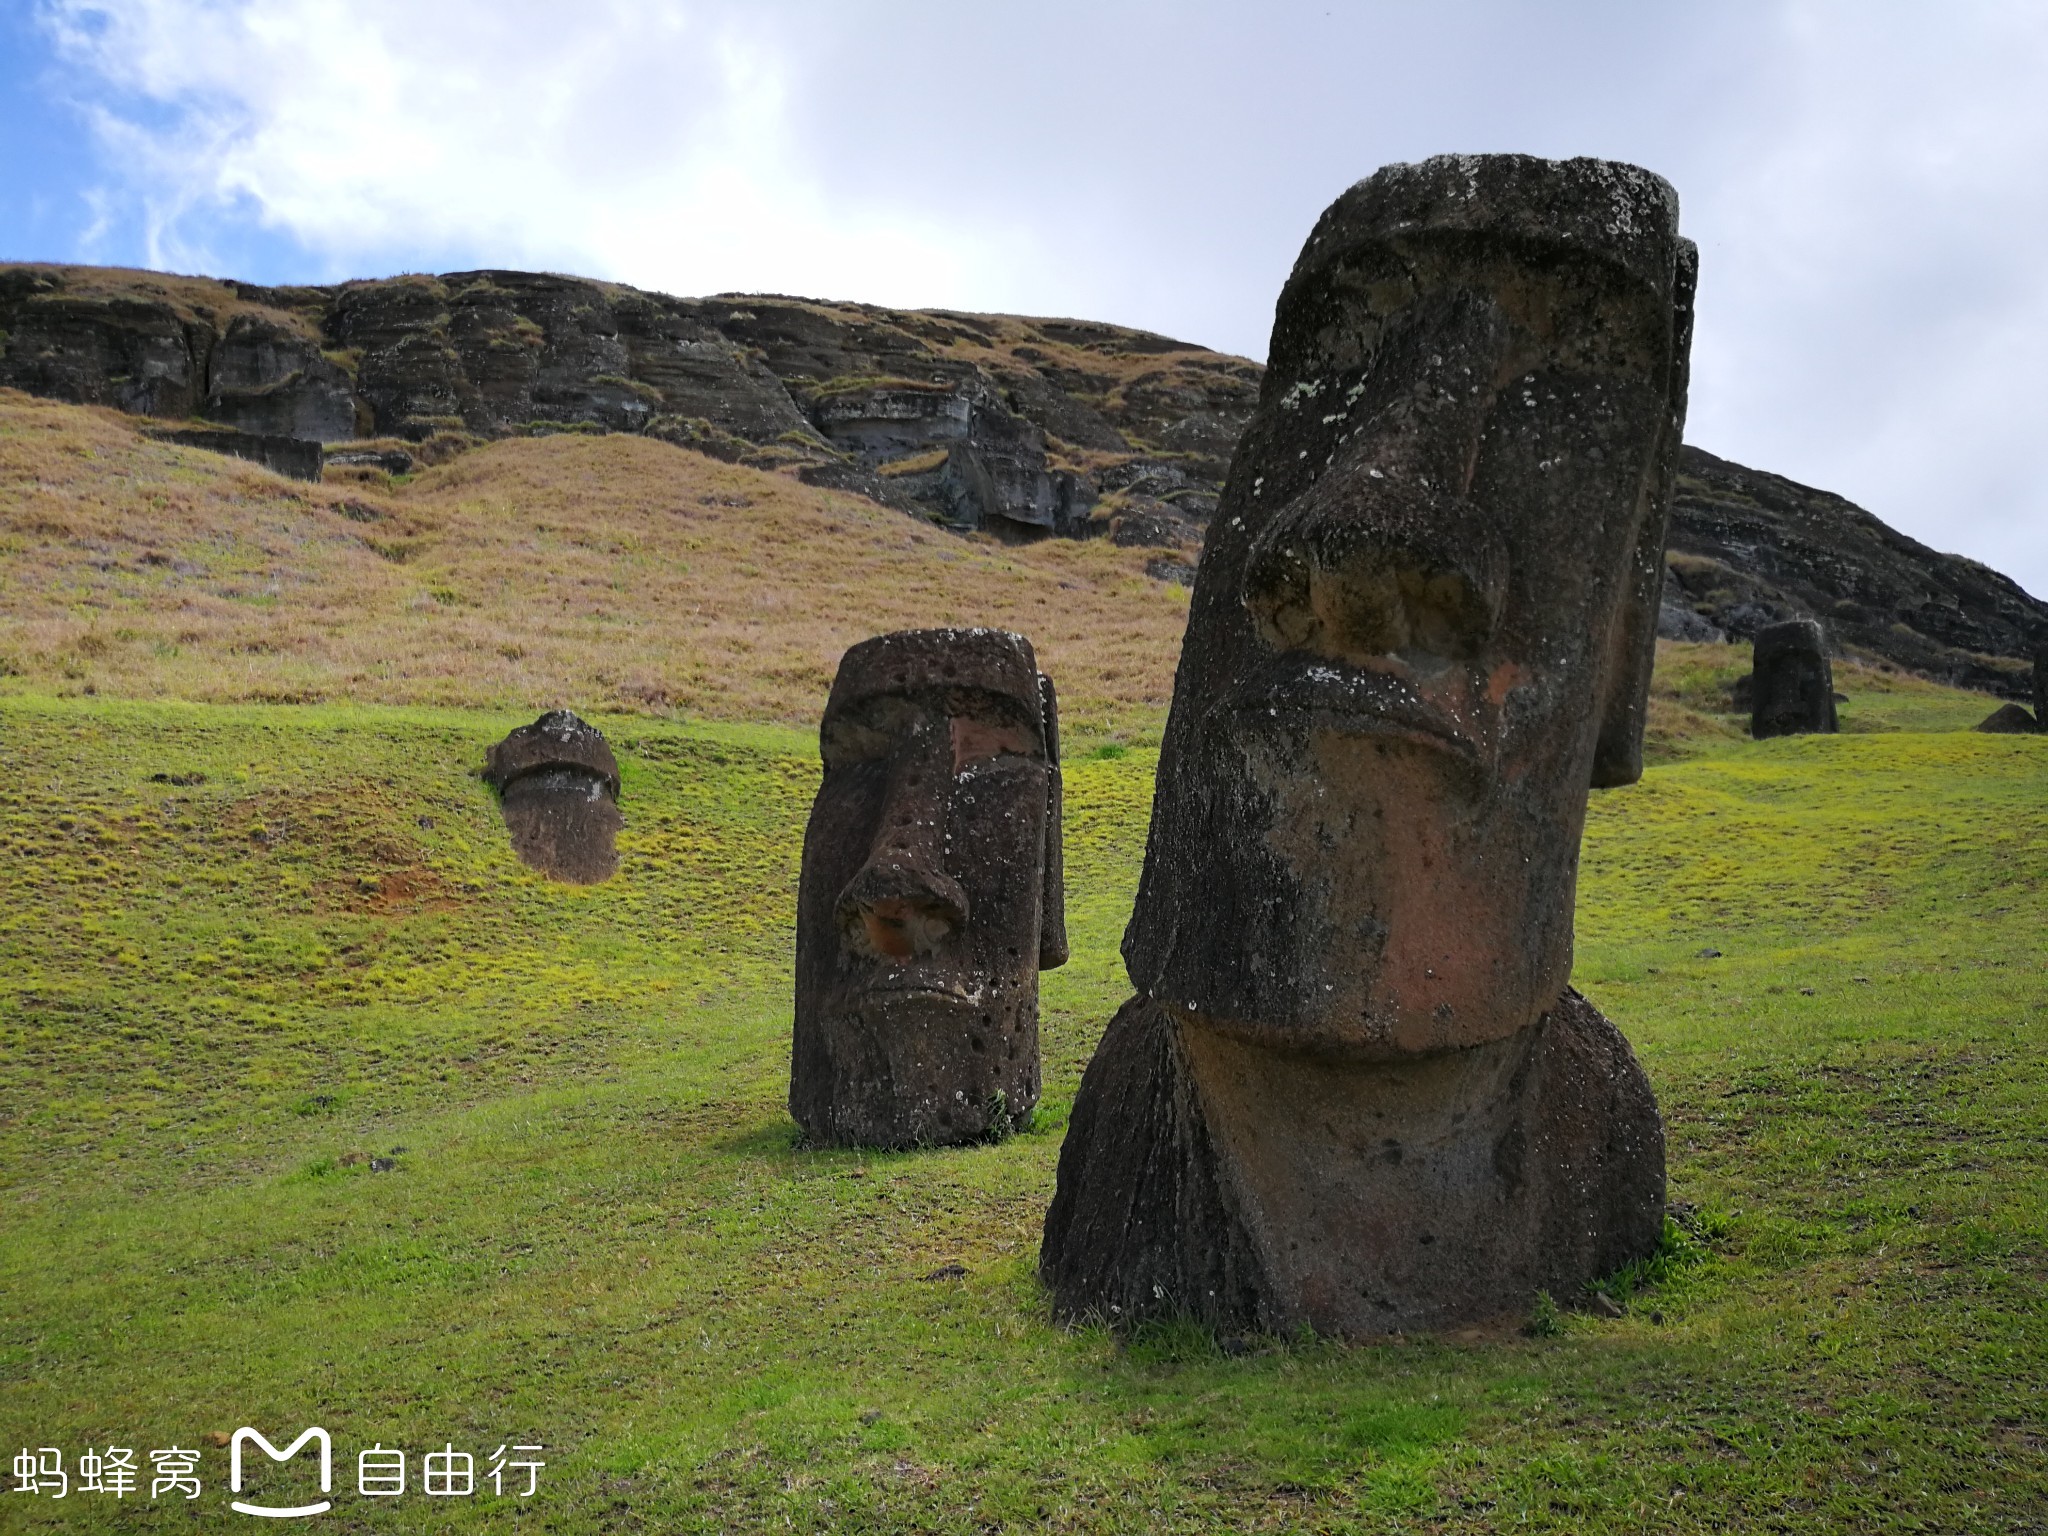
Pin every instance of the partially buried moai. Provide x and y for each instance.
(931, 893)
(1354, 1091)
(558, 787)
(1792, 686)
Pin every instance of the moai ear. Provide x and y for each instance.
(1632, 652)
(1052, 923)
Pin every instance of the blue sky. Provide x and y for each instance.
(1863, 176)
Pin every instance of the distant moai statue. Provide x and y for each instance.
(1354, 1091)
(931, 894)
(2013, 719)
(1792, 685)
(558, 788)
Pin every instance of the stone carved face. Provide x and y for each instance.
(558, 787)
(931, 892)
(1424, 617)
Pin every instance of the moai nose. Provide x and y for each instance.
(901, 928)
(903, 904)
(1407, 577)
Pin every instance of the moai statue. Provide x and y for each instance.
(1354, 1090)
(1792, 686)
(558, 788)
(2041, 686)
(931, 894)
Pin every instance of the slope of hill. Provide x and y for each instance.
(976, 420)
(1747, 548)
(617, 572)
(599, 573)
(588, 1225)
(1022, 427)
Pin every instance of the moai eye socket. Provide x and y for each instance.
(983, 739)
(872, 730)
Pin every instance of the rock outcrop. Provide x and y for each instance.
(1023, 427)
(1748, 549)
(294, 457)
(2009, 720)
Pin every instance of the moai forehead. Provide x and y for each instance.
(969, 667)
(558, 739)
(1789, 637)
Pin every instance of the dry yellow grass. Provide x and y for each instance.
(593, 572)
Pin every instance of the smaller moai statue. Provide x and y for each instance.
(931, 893)
(2008, 720)
(558, 789)
(2041, 686)
(1792, 686)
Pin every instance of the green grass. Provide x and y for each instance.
(219, 998)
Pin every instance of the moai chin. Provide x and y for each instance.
(558, 788)
(1792, 686)
(1354, 1091)
(931, 893)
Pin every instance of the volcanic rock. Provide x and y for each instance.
(1024, 427)
(2009, 720)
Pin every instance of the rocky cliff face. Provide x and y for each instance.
(1022, 427)
(1747, 549)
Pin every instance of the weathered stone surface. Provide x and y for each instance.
(271, 378)
(931, 893)
(1747, 549)
(1792, 684)
(1025, 427)
(2009, 720)
(558, 787)
(292, 456)
(1420, 631)
(2040, 682)
(145, 354)
(1453, 1188)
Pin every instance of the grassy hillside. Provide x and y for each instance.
(261, 935)
(243, 950)
(592, 572)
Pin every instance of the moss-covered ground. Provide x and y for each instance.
(246, 950)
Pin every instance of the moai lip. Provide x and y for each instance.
(931, 893)
(1792, 684)
(1353, 1091)
(558, 789)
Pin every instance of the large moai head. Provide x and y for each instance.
(1792, 685)
(931, 893)
(1425, 616)
(558, 787)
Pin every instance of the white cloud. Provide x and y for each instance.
(613, 138)
(1874, 302)
(1863, 175)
